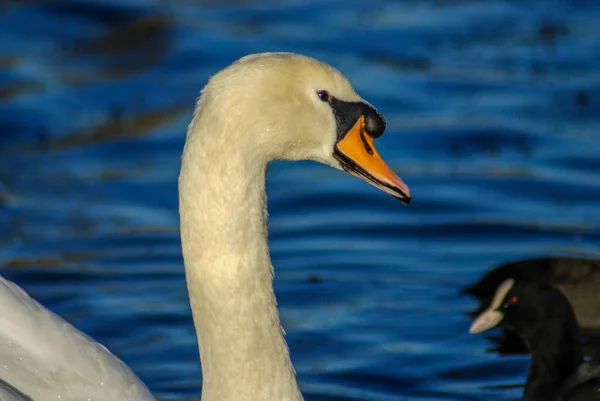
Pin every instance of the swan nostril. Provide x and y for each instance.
(366, 145)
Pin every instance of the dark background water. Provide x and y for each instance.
(493, 112)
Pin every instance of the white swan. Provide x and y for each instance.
(262, 107)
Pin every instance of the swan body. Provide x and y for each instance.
(42, 357)
(261, 108)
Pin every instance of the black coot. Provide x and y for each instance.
(543, 318)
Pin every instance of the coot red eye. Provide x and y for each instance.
(323, 95)
(513, 300)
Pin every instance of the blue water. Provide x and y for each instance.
(493, 112)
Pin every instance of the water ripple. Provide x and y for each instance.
(492, 121)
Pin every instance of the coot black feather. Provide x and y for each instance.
(544, 319)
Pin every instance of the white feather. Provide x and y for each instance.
(46, 358)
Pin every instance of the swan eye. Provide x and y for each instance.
(323, 95)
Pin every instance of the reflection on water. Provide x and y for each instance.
(492, 121)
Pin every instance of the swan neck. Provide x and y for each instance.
(229, 274)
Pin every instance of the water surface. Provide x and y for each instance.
(493, 121)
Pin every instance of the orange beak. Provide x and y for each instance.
(357, 155)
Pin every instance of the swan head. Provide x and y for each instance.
(292, 107)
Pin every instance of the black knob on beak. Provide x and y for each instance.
(374, 122)
(348, 113)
